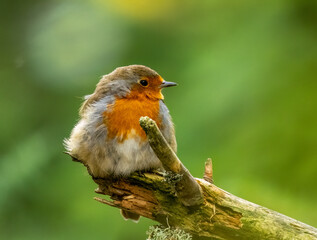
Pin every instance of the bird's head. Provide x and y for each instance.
(134, 81)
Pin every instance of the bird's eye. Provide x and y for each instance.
(144, 83)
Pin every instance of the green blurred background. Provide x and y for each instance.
(246, 97)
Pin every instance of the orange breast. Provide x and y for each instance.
(123, 116)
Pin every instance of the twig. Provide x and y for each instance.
(187, 189)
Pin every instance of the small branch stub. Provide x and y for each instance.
(208, 171)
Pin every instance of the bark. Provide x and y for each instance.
(176, 199)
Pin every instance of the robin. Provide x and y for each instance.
(108, 138)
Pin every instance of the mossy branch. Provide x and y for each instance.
(195, 205)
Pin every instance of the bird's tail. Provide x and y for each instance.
(130, 215)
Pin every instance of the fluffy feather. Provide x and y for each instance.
(108, 138)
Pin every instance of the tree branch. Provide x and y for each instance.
(195, 205)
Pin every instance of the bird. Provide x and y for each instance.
(108, 138)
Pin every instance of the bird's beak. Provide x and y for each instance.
(167, 84)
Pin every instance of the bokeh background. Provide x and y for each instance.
(247, 97)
